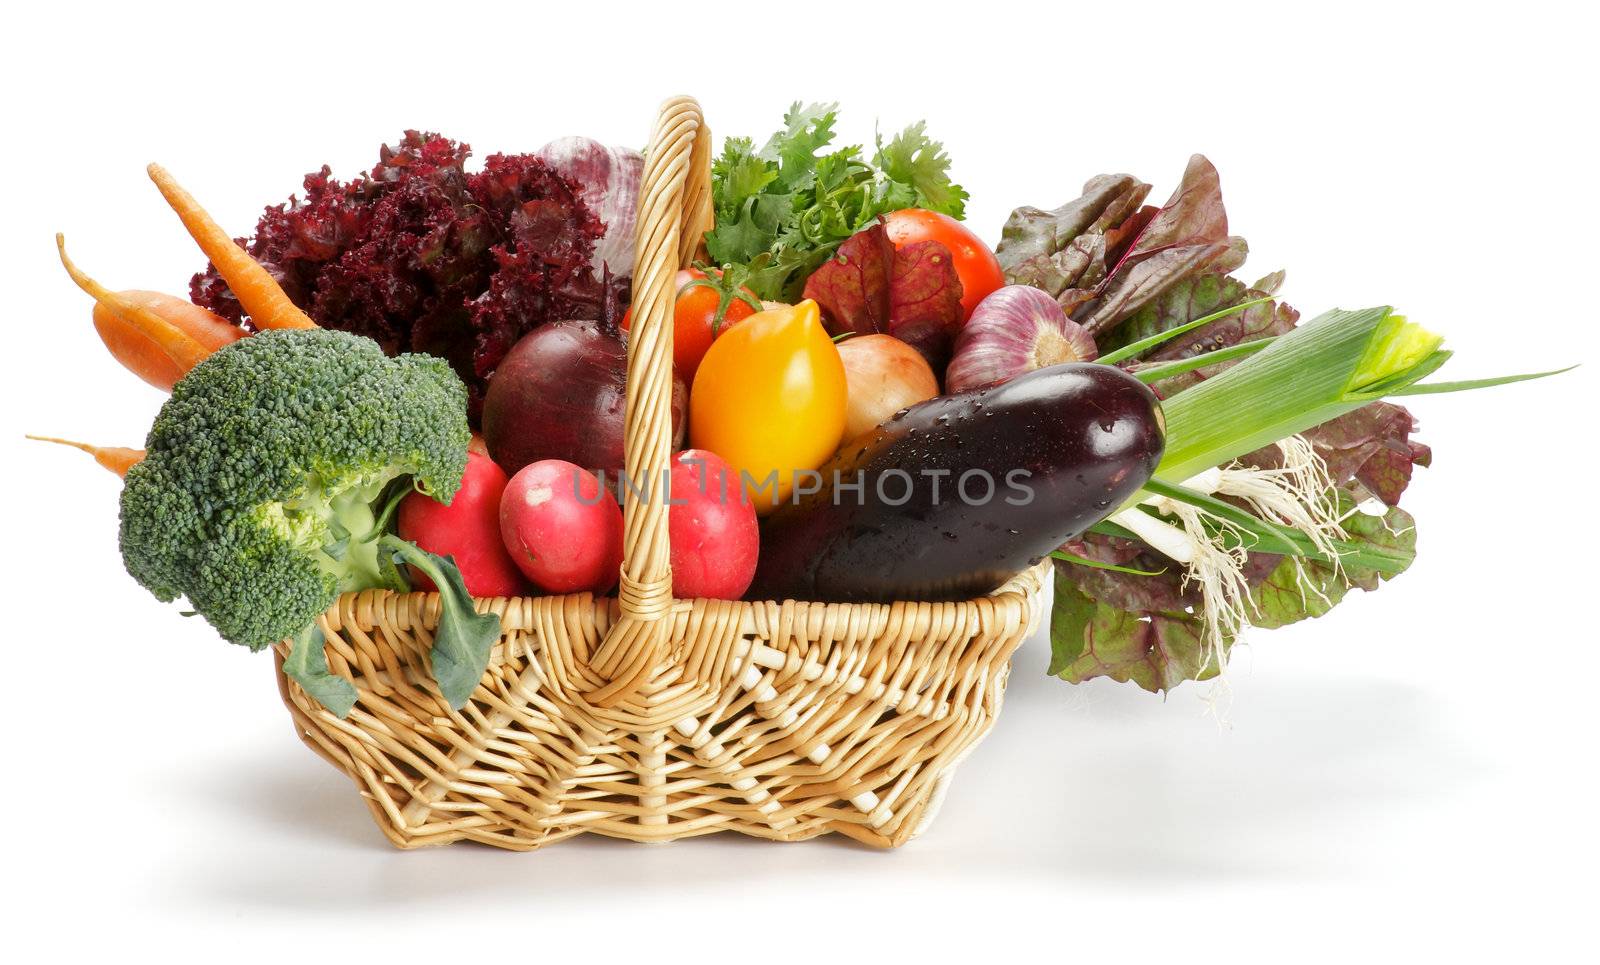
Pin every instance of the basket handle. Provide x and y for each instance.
(674, 215)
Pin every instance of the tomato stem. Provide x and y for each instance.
(728, 283)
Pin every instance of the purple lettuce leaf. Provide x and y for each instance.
(1298, 591)
(1369, 450)
(1189, 233)
(1148, 630)
(1157, 651)
(1052, 250)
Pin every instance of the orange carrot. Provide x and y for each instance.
(129, 345)
(181, 348)
(115, 458)
(258, 292)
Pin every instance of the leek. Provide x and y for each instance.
(1318, 371)
(1156, 371)
(1282, 386)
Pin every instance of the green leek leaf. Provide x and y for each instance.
(1146, 344)
(1101, 565)
(1434, 388)
(1166, 370)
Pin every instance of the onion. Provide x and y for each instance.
(607, 179)
(1015, 330)
(882, 376)
(560, 393)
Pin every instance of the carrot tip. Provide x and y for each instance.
(60, 442)
(117, 459)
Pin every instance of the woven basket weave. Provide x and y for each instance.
(651, 719)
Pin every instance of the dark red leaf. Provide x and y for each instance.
(912, 293)
(422, 255)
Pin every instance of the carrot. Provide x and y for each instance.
(181, 349)
(115, 458)
(258, 292)
(130, 346)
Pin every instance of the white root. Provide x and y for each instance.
(1297, 495)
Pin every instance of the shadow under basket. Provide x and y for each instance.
(649, 718)
(782, 721)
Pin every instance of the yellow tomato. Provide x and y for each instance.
(769, 397)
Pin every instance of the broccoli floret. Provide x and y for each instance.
(258, 498)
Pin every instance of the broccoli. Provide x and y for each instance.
(262, 496)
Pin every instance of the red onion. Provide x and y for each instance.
(608, 181)
(1015, 330)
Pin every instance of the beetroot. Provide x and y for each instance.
(561, 393)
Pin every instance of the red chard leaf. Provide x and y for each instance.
(912, 293)
(852, 287)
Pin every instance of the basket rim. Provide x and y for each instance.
(1013, 586)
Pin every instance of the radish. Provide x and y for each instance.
(467, 531)
(715, 538)
(564, 529)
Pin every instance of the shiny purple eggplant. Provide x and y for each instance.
(951, 497)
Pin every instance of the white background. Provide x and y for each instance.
(1415, 772)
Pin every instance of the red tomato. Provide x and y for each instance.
(693, 318)
(976, 265)
(467, 530)
(715, 538)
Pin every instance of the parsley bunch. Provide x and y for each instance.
(781, 211)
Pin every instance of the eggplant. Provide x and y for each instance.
(951, 497)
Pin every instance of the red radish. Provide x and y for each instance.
(564, 530)
(715, 538)
(467, 530)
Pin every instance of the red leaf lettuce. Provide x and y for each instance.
(421, 255)
(1103, 257)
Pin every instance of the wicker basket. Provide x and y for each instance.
(652, 719)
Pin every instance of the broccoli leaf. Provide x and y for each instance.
(464, 637)
(307, 665)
